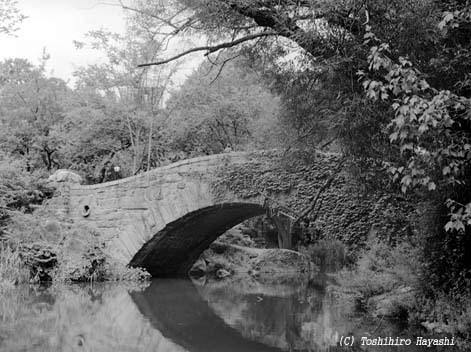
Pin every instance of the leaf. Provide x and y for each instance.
(393, 136)
(406, 180)
(448, 226)
(423, 128)
(456, 225)
(446, 19)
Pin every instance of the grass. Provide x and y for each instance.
(12, 269)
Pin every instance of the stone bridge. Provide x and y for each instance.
(164, 219)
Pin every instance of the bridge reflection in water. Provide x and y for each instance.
(179, 316)
(177, 310)
(169, 315)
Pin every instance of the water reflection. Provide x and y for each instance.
(293, 315)
(244, 314)
(179, 312)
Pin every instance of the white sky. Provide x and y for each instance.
(54, 24)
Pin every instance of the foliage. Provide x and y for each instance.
(329, 255)
(19, 190)
(380, 269)
(52, 250)
(31, 105)
(449, 313)
(12, 269)
(10, 16)
(429, 125)
(215, 110)
(128, 106)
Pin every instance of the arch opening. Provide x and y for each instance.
(172, 251)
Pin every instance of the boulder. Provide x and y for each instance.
(198, 269)
(63, 175)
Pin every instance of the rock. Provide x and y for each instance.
(198, 269)
(222, 273)
(63, 175)
(393, 303)
(282, 261)
(218, 247)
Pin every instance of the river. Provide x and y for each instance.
(239, 314)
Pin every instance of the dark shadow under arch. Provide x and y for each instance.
(173, 250)
(175, 308)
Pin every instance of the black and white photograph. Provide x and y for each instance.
(235, 175)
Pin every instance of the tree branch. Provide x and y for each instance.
(212, 49)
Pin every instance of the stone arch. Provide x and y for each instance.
(173, 250)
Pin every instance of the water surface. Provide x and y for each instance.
(240, 314)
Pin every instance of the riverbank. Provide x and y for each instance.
(384, 284)
(236, 253)
(223, 260)
(387, 283)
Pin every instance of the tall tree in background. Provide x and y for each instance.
(223, 107)
(30, 106)
(128, 103)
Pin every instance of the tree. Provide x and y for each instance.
(10, 17)
(30, 105)
(128, 102)
(220, 108)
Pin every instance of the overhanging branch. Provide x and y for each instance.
(212, 49)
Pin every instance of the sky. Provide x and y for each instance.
(54, 24)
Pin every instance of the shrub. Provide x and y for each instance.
(12, 269)
(58, 251)
(19, 188)
(329, 255)
(445, 312)
(381, 268)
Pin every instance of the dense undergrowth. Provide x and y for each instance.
(391, 280)
(35, 246)
(39, 248)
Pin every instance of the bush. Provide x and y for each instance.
(449, 313)
(20, 189)
(328, 255)
(57, 251)
(382, 268)
(12, 269)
